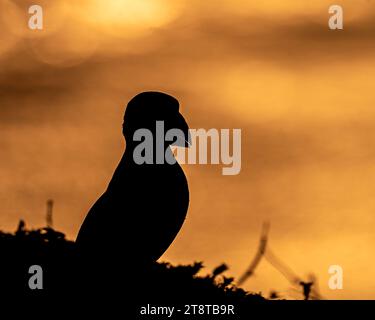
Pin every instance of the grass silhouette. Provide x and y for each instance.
(160, 283)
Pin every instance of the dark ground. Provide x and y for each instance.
(66, 277)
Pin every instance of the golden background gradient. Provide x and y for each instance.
(302, 94)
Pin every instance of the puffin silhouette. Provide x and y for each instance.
(145, 205)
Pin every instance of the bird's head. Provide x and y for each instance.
(146, 108)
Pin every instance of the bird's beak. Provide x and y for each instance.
(185, 140)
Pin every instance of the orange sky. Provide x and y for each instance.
(301, 93)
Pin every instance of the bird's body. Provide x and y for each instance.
(139, 215)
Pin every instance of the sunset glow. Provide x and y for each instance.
(301, 93)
